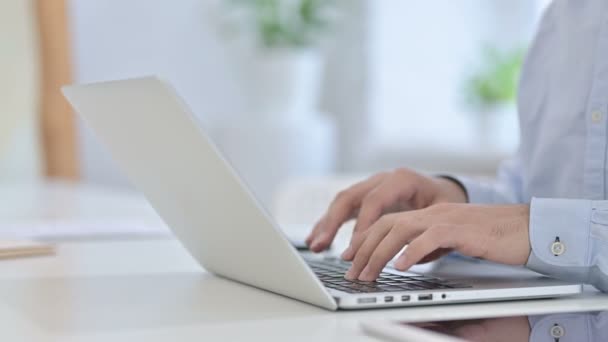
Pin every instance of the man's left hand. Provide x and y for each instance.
(494, 233)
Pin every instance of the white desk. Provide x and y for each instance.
(150, 289)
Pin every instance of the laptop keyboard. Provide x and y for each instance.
(331, 273)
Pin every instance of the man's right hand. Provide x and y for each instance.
(383, 193)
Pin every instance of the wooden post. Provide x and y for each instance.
(58, 131)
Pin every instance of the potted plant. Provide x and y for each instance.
(278, 62)
(491, 90)
(276, 51)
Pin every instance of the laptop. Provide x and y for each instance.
(163, 150)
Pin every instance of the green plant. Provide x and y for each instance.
(495, 82)
(285, 23)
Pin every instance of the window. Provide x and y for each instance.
(420, 53)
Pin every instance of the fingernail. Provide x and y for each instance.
(349, 275)
(366, 275)
(347, 252)
(401, 262)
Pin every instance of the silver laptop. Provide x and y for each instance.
(162, 148)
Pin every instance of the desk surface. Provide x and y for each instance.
(151, 289)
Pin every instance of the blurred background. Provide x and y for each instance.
(303, 96)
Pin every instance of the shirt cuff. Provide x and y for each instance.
(559, 234)
(551, 328)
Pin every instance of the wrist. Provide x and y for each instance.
(451, 190)
(522, 247)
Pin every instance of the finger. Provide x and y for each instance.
(314, 232)
(373, 237)
(392, 243)
(374, 205)
(388, 194)
(355, 243)
(341, 210)
(414, 220)
(359, 240)
(434, 238)
(472, 332)
(435, 255)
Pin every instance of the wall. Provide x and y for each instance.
(420, 54)
(176, 40)
(19, 152)
(415, 50)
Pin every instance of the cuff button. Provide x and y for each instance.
(557, 331)
(558, 248)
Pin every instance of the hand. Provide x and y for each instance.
(512, 329)
(495, 233)
(382, 193)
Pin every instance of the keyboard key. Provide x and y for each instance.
(384, 281)
(458, 286)
(338, 287)
(331, 273)
(435, 281)
(358, 286)
(340, 282)
(360, 282)
(335, 275)
(399, 278)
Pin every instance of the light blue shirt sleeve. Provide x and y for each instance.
(506, 188)
(569, 240)
(587, 327)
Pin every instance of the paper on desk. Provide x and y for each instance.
(22, 248)
(53, 230)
